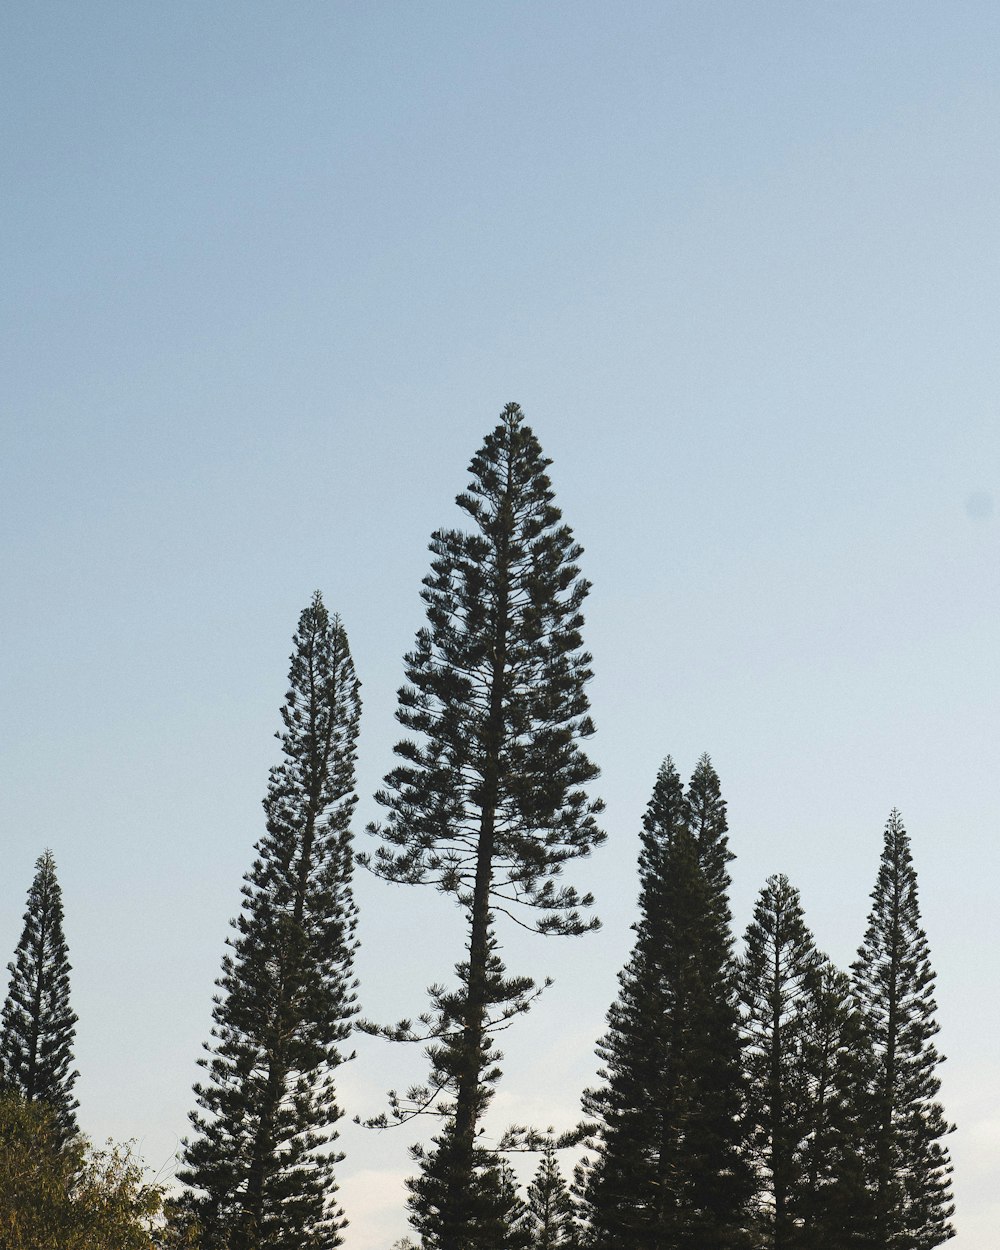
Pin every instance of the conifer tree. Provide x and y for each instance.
(551, 1214)
(493, 1216)
(670, 1172)
(706, 818)
(778, 968)
(443, 1196)
(722, 1185)
(508, 1228)
(894, 984)
(487, 803)
(261, 1163)
(834, 1204)
(38, 1027)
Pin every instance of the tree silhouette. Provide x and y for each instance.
(894, 984)
(670, 1169)
(38, 1027)
(260, 1163)
(487, 804)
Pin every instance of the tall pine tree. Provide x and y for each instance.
(779, 965)
(261, 1163)
(721, 1186)
(894, 984)
(487, 803)
(670, 1172)
(38, 1027)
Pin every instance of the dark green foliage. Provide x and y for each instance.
(443, 1195)
(626, 1189)
(834, 1202)
(487, 803)
(706, 819)
(670, 1172)
(512, 1230)
(36, 1036)
(486, 1206)
(894, 984)
(447, 1193)
(778, 967)
(261, 1163)
(550, 1211)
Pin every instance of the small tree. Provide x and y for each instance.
(58, 1192)
(38, 1027)
(261, 1163)
(551, 1213)
(487, 803)
(894, 984)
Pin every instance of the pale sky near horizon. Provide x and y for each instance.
(271, 271)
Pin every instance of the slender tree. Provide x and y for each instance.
(487, 803)
(261, 1163)
(551, 1213)
(508, 1229)
(779, 965)
(38, 1027)
(706, 818)
(721, 1185)
(626, 1191)
(670, 1171)
(894, 985)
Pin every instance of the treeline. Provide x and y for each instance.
(751, 1099)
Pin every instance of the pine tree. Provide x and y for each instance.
(443, 1196)
(261, 1162)
(551, 1214)
(894, 984)
(834, 1204)
(487, 803)
(626, 1191)
(779, 965)
(669, 1173)
(706, 818)
(507, 1229)
(493, 1215)
(38, 1027)
(721, 1184)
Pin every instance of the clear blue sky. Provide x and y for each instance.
(271, 270)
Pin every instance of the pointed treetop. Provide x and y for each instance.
(509, 478)
(893, 984)
(261, 1168)
(666, 803)
(663, 819)
(707, 819)
(896, 882)
(38, 1028)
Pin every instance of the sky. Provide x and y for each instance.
(270, 273)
